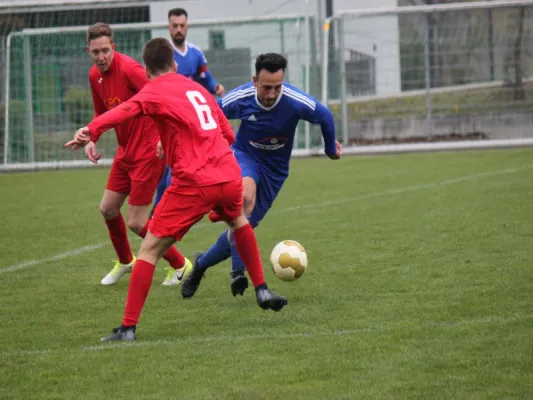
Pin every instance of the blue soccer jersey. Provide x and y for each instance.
(193, 64)
(267, 133)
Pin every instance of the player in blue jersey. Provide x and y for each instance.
(269, 110)
(192, 64)
(190, 59)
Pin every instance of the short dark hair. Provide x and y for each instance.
(272, 62)
(177, 12)
(158, 55)
(99, 30)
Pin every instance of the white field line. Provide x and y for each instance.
(373, 330)
(87, 249)
(60, 256)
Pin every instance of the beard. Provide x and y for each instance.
(178, 41)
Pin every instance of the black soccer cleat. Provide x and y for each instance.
(124, 333)
(192, 282)
(239, 282)
(270, 300)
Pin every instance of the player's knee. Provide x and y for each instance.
(248, 203)
(108, 212)
(135, 225)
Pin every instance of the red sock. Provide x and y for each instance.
(172, 255)
(119, 238)
(140, 282)
(248, 250)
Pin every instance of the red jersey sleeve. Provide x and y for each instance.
(126, 111)
(225, 126)
(136, 75)
(99, 106)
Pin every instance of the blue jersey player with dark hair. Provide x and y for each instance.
(269, 110)
(192, 64)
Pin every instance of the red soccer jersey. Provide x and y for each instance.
(137, 139)
(194, 132)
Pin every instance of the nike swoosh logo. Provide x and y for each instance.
(180, 277)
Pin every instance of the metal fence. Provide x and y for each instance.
(441, 72)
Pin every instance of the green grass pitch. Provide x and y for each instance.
(419, 286)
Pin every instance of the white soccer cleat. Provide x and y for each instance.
(118, 271)
(176, 276)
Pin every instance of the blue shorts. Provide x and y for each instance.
(268, 185)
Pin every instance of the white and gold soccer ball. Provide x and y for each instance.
(288, 260)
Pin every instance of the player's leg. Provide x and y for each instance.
(178, 210)
(152, 248)
(248, 249)
(144, 180)
(265, 194)
(221, 250)
(162, 185)
(230, 208)
(117, 189)
(238, 280)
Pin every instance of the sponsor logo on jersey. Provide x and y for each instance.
(112, 102)
(270, 143)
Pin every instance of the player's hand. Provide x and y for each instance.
(220, 90)
(90, 152)
(338, 154)
(160, 153)
(81, 138)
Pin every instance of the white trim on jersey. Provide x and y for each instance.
(238, 94)
(300, 97)
(193, 46)
(273, 105)
(178, 50)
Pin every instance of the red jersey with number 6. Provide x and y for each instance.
(195, 134)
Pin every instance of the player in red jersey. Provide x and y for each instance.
(136, 168)
(196, 138)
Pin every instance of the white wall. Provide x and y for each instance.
(374, 36)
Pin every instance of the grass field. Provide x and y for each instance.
(419, 287)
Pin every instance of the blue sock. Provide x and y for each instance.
(217, 253)
(236, 263)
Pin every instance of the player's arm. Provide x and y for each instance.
(322, 116)
(118, 115)
(136, 76)
(89, 135)
(206, 78)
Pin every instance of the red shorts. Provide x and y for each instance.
(139, 181)
(183, 206)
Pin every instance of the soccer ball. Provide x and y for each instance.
(288, 260)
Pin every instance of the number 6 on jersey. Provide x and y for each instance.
(202, 110)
